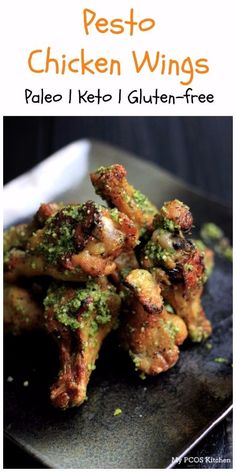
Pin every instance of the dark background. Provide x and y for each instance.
(197, 149)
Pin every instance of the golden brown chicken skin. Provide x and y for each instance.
(111, 184)
(79, 319)
(148, 332)
(188, 305)
(79, 240)
(23, 311)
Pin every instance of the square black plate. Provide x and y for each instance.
(161, 417)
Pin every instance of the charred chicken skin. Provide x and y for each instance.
(111, 184)
(79, 319)
(77, 241)
(149, 333)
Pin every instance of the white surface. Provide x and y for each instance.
(23, 195)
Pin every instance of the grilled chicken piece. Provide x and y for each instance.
(174, 215)
(148, 332)
(23, 310)
(16, 237)
(188, 305)
(77, 241)
(183, 264)
(111, 184)
(79, 319)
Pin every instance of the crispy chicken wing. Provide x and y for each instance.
(148, 331)
(79, 319)
(188, 305)
(16, 237)
(183, 264)
(77, 241)
(111, 184)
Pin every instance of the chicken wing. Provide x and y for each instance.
(77, 241)
(148, 332)
(79, 319)
(111, 184)
(183, 264)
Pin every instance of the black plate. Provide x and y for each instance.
(162, 417)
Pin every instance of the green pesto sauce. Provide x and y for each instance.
(188, 267)
(135, 360)
(142, 376)
(117, 412)
(197, 334)
(211, 231)
(170, 329)
(209, 346)
(115, 214)
(143, 233)
(199, 244)
(169, 225)
(59, 233)
(102, 170)
(91, 299)
(228, 254)
(58, 238)
(221, 360)
(157, 254)
(21, 308)
(143, 203)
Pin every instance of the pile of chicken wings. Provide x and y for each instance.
(80, 271)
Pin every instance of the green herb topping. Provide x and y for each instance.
(143, 203)
(117, 412)
(75, 311)
(157, 255)
(221, 360)
(211, 231)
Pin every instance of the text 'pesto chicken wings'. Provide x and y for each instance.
(76, 241)
(79, 318)
(111, 184)
(149, 333)
(183, 264)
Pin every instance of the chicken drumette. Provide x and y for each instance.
(75, 242)
(183, 265)
(111, 184)
(79, 319)
(149, 333)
